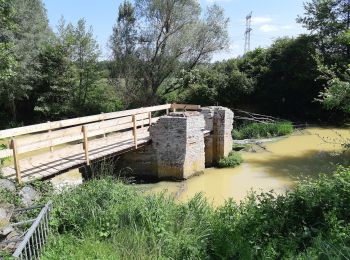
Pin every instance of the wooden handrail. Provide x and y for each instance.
(50, 134)
(175, 106)
(77, 121)
(70, 137)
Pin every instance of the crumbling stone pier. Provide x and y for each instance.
(183, 144)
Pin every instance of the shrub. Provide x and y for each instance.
(260, 130)
(232, 160)
(315, 214)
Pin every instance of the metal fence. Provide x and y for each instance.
(36, 236)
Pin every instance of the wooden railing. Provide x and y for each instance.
(47, 136)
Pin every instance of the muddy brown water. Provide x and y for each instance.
(276, 165)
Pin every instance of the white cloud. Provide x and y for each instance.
(268, 28)
(261, 19)
(287, 27)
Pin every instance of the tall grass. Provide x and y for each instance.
(104, 219)
(260, 130)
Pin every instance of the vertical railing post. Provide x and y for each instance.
(51, 147)
(134, 130)
(85, 144)
(103, 119)
(150, 118)
(16, 161)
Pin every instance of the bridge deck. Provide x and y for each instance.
(52, 163)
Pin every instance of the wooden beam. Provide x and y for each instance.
(134, 130)
(71, 135)
(77, 121)
(185, 107)
(16, 161)
(86, 144)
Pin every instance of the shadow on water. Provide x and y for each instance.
(306, 165)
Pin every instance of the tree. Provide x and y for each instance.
(32, 31)
(328, 20)
(7, 23)
(54, 90)
(83, 53)
(289, 81)
(123, 44)
(173, 36)
(197, 86)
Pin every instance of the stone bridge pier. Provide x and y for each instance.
(183, 144)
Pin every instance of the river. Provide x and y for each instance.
(275, 165)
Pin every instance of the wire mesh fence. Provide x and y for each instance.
(36, 236)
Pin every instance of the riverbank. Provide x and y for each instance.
(108, 220)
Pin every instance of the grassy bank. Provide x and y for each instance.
(260, 130)
(104, 219)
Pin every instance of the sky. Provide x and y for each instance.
(270, 19)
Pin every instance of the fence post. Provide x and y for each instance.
(16, 161)
(51, 147)
(134, 131)
(150, 118)
(86, 145)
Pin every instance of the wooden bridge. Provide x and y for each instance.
(42, 150)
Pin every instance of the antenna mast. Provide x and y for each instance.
(248, 29)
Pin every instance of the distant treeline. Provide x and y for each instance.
(46, 75)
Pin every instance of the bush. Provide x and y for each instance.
(260, 130)
(232, 160)
(108, 220)
(300, 223)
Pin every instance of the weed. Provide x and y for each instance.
(232, 160)
(260, 130)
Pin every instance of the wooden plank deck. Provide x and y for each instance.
(52, 163)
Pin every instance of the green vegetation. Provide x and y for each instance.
(275, 80)
(260, 130)
(50, 76)
(232, 160)
(47, 75)
(108, 220)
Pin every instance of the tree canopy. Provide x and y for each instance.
(165, 37)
